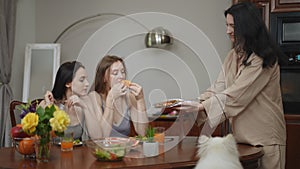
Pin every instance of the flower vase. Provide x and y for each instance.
(42, 149)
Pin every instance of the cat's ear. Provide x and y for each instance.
(230, 143)
(229, 137)
(203, 139)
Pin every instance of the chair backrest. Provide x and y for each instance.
(14, 112)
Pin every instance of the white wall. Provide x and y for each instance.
(183, 70)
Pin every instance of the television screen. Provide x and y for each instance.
(291, 31)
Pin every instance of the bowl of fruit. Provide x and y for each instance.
(109, 149)
(23, 143)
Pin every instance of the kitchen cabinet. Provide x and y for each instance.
(293, 139)
(263, 6)
(276, 5)
(285, 5)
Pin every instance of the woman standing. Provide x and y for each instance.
(247, 91)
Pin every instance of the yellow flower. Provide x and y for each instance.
(60, 120)
(56, 107)
(29, 122)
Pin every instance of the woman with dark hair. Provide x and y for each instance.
(116, 101)
(247, 91)
(70, 84)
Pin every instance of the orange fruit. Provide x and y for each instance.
(26, 146)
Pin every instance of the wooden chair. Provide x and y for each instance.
(13, 110)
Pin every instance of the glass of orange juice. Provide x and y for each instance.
(66, 141)
(159, 134)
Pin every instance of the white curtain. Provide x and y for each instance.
(7, 35)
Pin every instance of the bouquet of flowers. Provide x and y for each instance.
(44, 120)
(39, 121)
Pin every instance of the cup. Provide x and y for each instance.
(150, 149)
(159, 134)
(66, 142)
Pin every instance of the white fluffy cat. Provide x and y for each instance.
(218, 153)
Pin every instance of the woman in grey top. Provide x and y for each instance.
(70, 84)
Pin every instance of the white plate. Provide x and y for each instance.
(168, 103)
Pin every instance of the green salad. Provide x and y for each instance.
(141, 138)
(113, 154)
(77, 141)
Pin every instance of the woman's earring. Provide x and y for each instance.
(68, 85)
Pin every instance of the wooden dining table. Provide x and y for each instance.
(181, 155)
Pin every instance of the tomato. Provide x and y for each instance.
(113, 156)
(26, 146)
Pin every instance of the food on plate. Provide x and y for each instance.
(76, 142)
(126, 83)
(141, 138)
(168, 103)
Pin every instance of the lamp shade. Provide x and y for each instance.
(158, 38)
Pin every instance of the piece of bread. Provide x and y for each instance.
(126, 83)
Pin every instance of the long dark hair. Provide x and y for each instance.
(64, 75)
(251, 34)
(100, 85)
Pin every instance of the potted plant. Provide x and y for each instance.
(150, 147)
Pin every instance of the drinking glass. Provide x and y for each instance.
(66, 142)
(159, 134)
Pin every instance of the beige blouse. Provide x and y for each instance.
(250, 96)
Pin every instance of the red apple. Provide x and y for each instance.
(17, 132)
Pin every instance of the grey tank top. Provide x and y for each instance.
(123, 129)
(76, 129)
